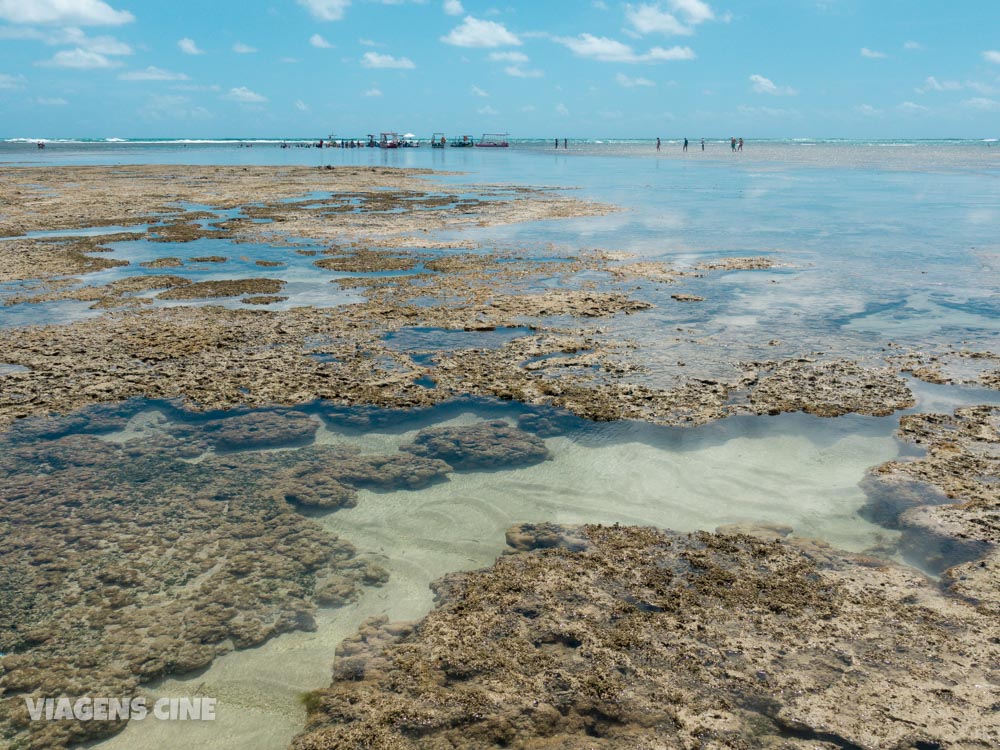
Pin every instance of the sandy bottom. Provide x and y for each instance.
(796, 470)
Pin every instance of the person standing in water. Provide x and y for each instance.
(741, 145)
(702, 144)
(557, 143)
(565, 143)
(732, 144)
(685, 145)
(657, 144)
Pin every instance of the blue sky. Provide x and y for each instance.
(760, 68)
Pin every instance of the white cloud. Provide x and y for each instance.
(528, 108)
(911, 108)
(649, 19)
(373, 92)
(453, 7)
(63, 12)
(610, 50)
(326, 10)
(188, 47)
(9, 82)
(785, 114)
(762, 85)
(562, 110)
(318, 41)
(511, 57)
(50, 102)
(301, 106)
(478, 91)
(476, 33)
(694, 11)
(377, 60)
(872, 54)
(912, 46)
(243, 49)
(629, 83)
(518, 72)
(982, 103)
(868, 110)
(172, 107)
(79, 59)
(243, 95)
(152, 73)
(487, 110)
(992, 55)
(369, 43)
(933, 84)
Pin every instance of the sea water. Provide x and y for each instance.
(880, 244)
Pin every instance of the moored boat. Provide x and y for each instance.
(493, 140)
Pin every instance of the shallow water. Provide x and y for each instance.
(796, 470)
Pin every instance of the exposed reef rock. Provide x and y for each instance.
(638, 638)
(947, 503)
(828, 389)
(224, 288)
(486, 445)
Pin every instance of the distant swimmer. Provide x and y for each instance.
(41, 145)
(685, 145)
(657, 144)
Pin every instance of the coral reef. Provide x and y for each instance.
(633, 637)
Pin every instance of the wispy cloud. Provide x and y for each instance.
(478, 91)
(518, 72)
(80, 59)
(474, 32)
(868, 110)
(63, 12)
(511, 57)
(992, 55)
(982, 104)
(453, 7)
(761, 85)
(611, 50)
(326, 10)
(172, 107)
(377, 60)
(694, 11)
(872, 54)
(912, 108)
(243, 95)
(629, 83)
(317, 40)
(152, 73)
(9, 82)
(912, 46)
(243, 49)
(487, 110)
(373, 92)
(301, 106)
(562, 110)
(188, 47)
(45, 101)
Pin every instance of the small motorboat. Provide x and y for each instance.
(438, 140)
(466, 142)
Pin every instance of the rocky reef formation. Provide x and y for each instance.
(487, 445)
(639, 638)
(947, 502)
